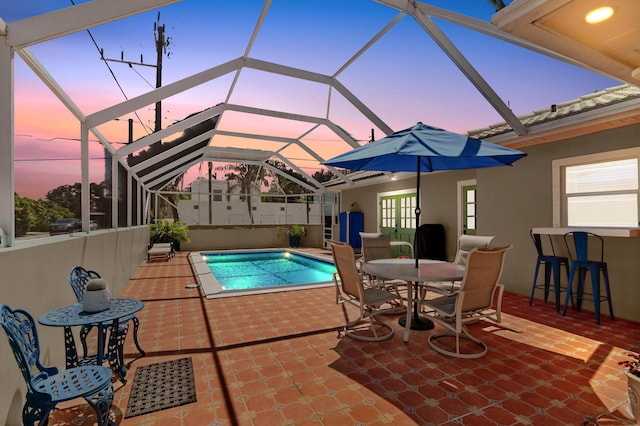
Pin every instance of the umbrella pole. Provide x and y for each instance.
(417, 323)
(417, 211)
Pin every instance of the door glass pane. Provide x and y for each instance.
(471, 209)
(471, 196)
(387, 213)
(471, 223)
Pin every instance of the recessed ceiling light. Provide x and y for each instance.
(598, 15)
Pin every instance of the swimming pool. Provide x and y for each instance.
(266, 270)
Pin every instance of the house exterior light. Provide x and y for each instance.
(598, 15)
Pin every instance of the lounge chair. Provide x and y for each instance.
(479, 296)
(160, 251)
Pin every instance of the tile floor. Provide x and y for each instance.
(276, 359)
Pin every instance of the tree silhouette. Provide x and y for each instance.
(69, 197)
(36, 215)
(249, 178)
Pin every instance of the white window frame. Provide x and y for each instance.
(559, 197)
(460, 206)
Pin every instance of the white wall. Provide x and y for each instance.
(194, 212)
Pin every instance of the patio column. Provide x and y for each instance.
(85, 193)
(129, 197)
(7, 184)
(115, 190)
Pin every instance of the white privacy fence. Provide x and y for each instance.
(234, 209)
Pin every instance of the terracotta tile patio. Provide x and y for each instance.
(276, 359)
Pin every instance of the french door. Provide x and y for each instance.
(398, 219)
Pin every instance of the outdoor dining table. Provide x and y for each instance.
(74, 315)
(405, 269)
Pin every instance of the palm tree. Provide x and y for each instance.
(249, 178)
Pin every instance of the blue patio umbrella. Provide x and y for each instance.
(425, 148)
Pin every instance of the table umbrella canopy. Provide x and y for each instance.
(436, 148)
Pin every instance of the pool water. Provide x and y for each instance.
(253, 270)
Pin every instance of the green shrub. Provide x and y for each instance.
(166, 230)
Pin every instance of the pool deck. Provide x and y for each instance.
(276, 359)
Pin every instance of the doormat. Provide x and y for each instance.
(161, 385)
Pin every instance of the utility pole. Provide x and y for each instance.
(161, 42)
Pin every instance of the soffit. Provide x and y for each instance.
(611, 47)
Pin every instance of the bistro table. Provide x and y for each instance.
(74, 315)
(405, 269)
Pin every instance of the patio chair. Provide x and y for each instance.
(580, 264)
(479, 296)
(46, 386)
(552, 265)
(466, 243)
(375, 246)
(78, 278)
(350, 290)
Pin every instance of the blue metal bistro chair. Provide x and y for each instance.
(552, 264)
(581, 264)
(46, 386)
(78, 278)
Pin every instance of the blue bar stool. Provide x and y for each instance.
(552, 263)
(580, 265)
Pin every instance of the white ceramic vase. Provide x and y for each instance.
(96, 296)
(633, 382)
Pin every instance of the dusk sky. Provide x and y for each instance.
(403, 78)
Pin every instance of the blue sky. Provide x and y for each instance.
(403, 78)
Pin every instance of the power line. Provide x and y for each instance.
(141, 76)
(67, 139)
(58, 159)
(112, 73)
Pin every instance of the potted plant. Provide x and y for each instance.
(294, 232)
(168, 231)
(632, 371)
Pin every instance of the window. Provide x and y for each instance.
(469, 209)
(597, 190)
(466, 207)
